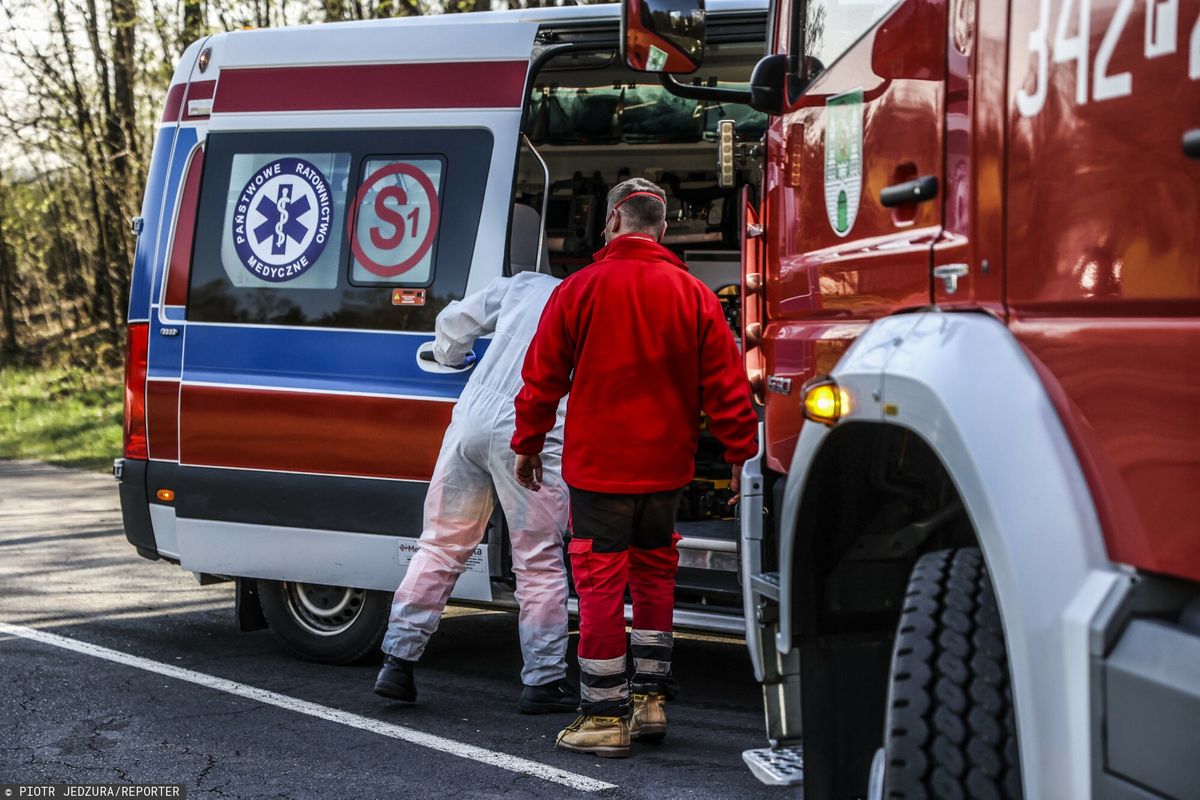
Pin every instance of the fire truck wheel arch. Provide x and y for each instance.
(962, 383)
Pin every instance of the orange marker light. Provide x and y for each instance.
(825, 401)
(753, 334)
(165, 495)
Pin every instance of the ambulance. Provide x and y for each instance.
(316, 195)
(971, 313)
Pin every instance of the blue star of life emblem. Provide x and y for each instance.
(281, 219)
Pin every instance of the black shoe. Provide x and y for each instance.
(549, 698)
(395, 680)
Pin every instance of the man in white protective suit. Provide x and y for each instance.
(475, 468)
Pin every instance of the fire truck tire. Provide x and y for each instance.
(329, 624)
(950, 731)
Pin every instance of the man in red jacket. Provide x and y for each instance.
(643, 348)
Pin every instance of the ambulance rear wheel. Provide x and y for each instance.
(950, 731)
(329, 624)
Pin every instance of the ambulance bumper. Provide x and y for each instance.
(130, 474)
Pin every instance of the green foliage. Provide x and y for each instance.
(65, 415)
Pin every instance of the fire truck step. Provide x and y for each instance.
(777, 766)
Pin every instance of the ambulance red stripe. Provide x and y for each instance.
(472, 84)
(179, 266)
(179, 95)
(379, 437)
(162, 419)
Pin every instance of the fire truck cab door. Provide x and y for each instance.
(872, 154)
(853, 214)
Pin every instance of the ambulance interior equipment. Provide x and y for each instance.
(590, 122)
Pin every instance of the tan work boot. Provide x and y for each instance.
(648, 722)
(607, 737)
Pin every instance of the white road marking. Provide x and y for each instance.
(439, 743)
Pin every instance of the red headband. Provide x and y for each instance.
(639, 194)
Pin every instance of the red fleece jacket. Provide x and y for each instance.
(642, 347)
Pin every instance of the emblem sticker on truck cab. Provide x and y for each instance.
(843, 160)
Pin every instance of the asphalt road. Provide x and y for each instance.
(104, 716)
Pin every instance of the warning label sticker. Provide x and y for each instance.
(474, 583)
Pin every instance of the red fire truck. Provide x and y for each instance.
(971, 312)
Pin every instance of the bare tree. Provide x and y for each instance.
(8, 284)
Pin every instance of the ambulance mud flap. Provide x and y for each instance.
(247, 607)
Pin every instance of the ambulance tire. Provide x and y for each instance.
(327, 624)
(950, 731)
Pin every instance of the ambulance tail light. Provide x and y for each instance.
(135, 390)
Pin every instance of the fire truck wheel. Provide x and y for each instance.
(950, 730)
(329, 624)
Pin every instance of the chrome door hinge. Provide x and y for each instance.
(949, 274)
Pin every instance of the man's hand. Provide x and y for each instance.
(735, 485)
(529, 472)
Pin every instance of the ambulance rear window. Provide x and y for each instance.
(324, 228)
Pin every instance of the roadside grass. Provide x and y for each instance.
(66, 415)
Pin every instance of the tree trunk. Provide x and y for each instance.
(8, 288)
(193, 23)
(125, 135)
(103, 303)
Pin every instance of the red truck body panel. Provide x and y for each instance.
(1104, 276)
(1063, 190)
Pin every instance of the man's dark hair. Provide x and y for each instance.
(641, 213)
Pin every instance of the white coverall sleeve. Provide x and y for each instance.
(464, 321)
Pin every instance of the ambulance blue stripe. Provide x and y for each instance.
(321, 360)
(143, 269)
(166, 352)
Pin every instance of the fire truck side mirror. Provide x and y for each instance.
(665, 36)
(768, 82)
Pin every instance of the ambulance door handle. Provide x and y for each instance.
(1191, 143)
(426, 355)
(915, 191)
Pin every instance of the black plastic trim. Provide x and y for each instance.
(294, 500)
(135, 509)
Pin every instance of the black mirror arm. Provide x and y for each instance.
(690, 92)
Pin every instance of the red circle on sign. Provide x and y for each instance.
(392, 270)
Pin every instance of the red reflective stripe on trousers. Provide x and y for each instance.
(600, 581)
